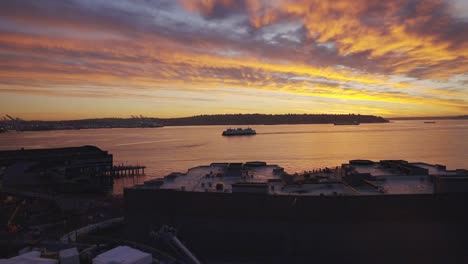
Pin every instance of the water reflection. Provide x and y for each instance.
(295, 147)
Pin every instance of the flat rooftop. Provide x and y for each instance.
(259, 177)
(375, 170)
(399, 185)
(378, 170)
(207, 178)
(434, 169)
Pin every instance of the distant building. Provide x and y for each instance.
(58, 169)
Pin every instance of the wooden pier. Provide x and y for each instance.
(125, 171)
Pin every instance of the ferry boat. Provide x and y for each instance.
(239, 132)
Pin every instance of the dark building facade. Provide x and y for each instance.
(364, 212)
(264, 228)
(70, 169)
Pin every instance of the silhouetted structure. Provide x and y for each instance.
(59, 169)
(390, 211)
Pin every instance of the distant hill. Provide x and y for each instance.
(261, 119)
(231, 119)
(431, 117)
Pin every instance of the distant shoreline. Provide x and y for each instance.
(205, 120)
(201, 120)
(431, 118)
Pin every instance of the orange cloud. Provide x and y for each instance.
(385, 35)
(357, 52)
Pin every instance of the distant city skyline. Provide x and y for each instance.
(81, 59)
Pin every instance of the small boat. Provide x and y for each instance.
(354, 123)
(429, 122)
(239, 132)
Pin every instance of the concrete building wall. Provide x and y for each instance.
(451, 184)
(368, 228)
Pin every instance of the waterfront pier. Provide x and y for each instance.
(126, 170)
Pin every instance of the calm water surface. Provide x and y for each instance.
(294, 147)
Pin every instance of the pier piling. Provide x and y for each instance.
(126, 171)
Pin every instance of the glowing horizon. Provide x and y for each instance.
(87, 59)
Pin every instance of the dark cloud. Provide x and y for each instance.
(132, 19)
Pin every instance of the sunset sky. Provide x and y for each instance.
(71, 59)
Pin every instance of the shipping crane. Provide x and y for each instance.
(15, 122)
